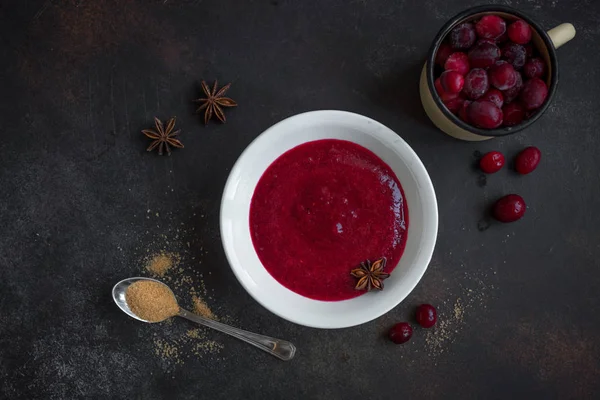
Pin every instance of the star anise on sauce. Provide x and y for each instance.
(370, 275)
(163, 137)
(214, 101)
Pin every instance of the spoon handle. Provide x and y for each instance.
(281, 349)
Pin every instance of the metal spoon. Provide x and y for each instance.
(279, 348)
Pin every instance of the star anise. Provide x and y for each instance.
(163, 137)
(370, 276)
(213, 102)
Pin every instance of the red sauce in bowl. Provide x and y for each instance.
(321, 209)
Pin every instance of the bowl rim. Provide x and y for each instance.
(425, 254)
(445, 30)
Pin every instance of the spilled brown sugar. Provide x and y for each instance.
(151, 301)
(202, 309)
(161, 263)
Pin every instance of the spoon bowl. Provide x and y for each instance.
(281, 349)
(119, 290)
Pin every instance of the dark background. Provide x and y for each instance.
(82, 203)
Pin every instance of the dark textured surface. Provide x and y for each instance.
(81, 202)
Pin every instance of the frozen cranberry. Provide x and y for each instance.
(484, 55)
(503, 76)
(443, 53)
(476, 83)
(534, 93)
(509, 208)
(528, 49)
(458, 62)
(480, 41)
(515, 54)
(534, 68)
(445, 96)
(528, 160)
(490, 27)
(484, 114)
(452, 81)
(455, 104)
(426, 315)
(495, 96)
(462, 113)
(513, 92)
(491, 162)
(463, 36)
(519, 32)
(514, 114)
(502, 38)
(400, 333)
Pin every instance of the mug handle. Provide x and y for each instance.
(561, 34)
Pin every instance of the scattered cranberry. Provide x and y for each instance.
(452, 81)
(476, 83)
(463, 36)
(514, 114)
(503, 76)
(515, 54)
(513, 92)
(426, 315)
(534, 93)
(462, 113)
(491, 162)
(490, 27)
(528, 160)
(458, 62)
(495, 96)
(519, 32)
(484, 55)
(484, 114)
(534, 68)
(509, 208)
(400, 333)
(443, 53)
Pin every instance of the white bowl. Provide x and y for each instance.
(235, 211)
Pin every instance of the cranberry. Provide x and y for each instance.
(476, 83)
(484, 40)
(495, 96)
(462, 36)
(443, 53)
(458, 62)
(491, 162)
(519, 32)
(452, 81)
(503, 76)
(513, 92)
(534, 68)
(509, 208)
(490, 27)
(455, 104)
(534, 93)
(484, 55)
(502, 38)
(462, 113)
(528, 160)
(528, 49)
(514, 114)
(515, 54)
(445, 96)
(484, 114)
(426, 315)
(400, 333)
